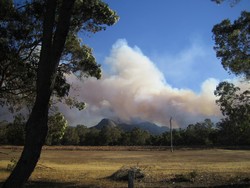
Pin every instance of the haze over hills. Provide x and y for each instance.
(147, 126)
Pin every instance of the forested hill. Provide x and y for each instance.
(146, 126)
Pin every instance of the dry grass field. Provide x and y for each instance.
(92, 167)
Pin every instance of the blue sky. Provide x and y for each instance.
(175, 34)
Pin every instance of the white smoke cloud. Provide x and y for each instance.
(135, 89)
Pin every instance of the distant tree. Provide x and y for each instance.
(92, 137)
(165, 139)
(82, 132)
(178, 137)
(15, 131)
(153, 140)
(125, 139)
(70, 137)
(3, 133)
(15, 134)
(139, 137)
(57, 125)
(199, 133)
(110, 135)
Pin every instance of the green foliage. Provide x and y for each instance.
(235, 106)
(20, 33)
(179, 137)
(15, 134)
(70, 137)
(204, 133)
(3, 131)
(15, 131)
(232, 102)
(139, 137)
(232, 2)
(232, 47)
(232, 44)
(125, 139)
(110, 135)
(199, 133)
(74, 103)
(56, 129)
(82, 131)
(233, 134)
(92, 138)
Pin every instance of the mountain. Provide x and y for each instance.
(105, 122)
(147, 126)
(152, 128)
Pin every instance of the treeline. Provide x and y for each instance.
(204, 133)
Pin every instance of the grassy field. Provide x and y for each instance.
(92, 167)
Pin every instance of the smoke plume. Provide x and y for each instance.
(135, 89)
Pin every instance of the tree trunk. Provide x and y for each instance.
(36, 126)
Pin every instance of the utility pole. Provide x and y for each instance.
(171, 135)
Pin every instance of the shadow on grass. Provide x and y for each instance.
(231, 186)
(49, 184)
(72, 185)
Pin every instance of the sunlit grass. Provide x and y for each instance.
(91, 168)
